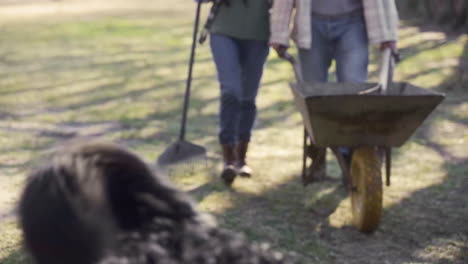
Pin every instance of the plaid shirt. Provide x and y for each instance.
(381, 21)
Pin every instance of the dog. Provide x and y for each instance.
(100, 203)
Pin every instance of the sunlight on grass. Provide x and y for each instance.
(189, 174)
(461, 111)
(10, 242)
(121, 77)
(217, 202)
(342, 216)
(416, 167)
(13, 181)
(433, 65)
(445, 250)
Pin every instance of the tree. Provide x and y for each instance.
(453, 13)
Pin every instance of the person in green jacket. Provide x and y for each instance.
(239, 38)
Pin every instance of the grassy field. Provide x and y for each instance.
(114, 70)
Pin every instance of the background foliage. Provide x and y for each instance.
(452, 13)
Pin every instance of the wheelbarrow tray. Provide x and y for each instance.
(336, 114)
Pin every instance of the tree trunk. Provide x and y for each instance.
(460, 8)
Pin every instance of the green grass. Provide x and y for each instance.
(121, 75)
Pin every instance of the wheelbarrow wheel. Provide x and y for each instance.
(366, 187)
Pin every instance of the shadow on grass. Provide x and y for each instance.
(288, 215)
(18, 256)
(427, 225)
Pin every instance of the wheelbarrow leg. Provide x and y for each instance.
(317, 169)
(388, 163)
(387, 156)
(304, 156)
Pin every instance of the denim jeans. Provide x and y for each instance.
(239, 63)
(343, 39)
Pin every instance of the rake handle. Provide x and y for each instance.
(190, 70)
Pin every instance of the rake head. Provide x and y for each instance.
(180, 151)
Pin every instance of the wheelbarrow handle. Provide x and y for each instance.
(296, 66)
(386, 70)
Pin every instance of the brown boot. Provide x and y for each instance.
(241, 151)
(229, 172)
(317, 170)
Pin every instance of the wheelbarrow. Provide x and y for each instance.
(369, 118)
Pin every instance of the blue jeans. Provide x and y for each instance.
(343, 39)
(239, 63)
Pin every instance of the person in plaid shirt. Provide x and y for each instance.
(327, 30)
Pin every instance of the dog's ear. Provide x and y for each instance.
(137, 195)
(171, 205)
(56, 228)
(134, 192)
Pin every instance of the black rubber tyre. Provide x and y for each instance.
(366, 189)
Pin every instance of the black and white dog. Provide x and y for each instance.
(99, 203)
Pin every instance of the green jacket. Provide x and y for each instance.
(243, 21)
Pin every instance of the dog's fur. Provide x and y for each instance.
(99, 203)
